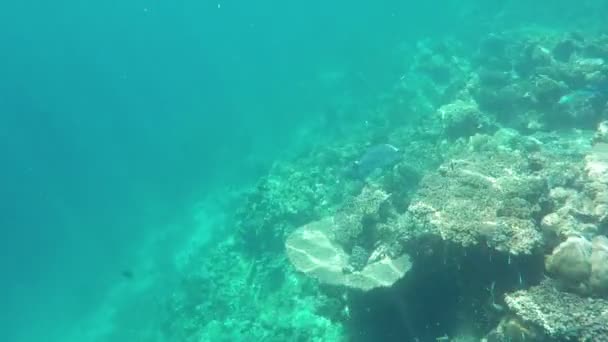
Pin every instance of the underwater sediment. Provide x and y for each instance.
(485, 218)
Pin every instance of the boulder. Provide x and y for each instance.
(570, 261)
(599, 265)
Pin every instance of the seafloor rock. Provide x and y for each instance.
(560, 315)
(573, 215)
(596, 166)
(538, 80)
(512, 329)
(439, 60)
(292, 194)
(313, 250)
(599, 266)
(357, 214)
(358, 258)
(580, 203)
(565, 48)
(223, 295)
(578, 220)
(570, 261)
(462, 119)
(597, 163)
(580, 265)
(590, 69)
(601, 135)
(490, 197)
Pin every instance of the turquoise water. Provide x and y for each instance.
(135, 134)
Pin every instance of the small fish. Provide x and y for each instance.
(443, 338)
(127, 274)
(498, 307)
(584, 94)
(578, 96)
(377, 157)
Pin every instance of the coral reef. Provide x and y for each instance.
(596, 167)
(289, 197)
(598, 280)
(570, 261)
(318, 248)
(228, 297)
(581, 265)
(462, 119)
(601, 135)
(478, 172)
(548, 80)
(491, 197)
(355, 219)
(512, 329)
(578, 204)
(559, 315)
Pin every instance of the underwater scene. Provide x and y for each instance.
(270, 171)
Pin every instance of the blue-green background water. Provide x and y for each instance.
(117, 116)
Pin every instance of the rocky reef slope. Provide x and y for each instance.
(483, 217)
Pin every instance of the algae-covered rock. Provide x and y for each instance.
(579, 202)
(540, 80)
(597, 183)
(292, 194)
(494, 192)
(581, 265)
(490, 197)
(570, 261)
(601, 135)
(223, 295)
(357, 213)
(597, 163)
(514, 329)
(561, 315)
(599, 265)
(461, 119)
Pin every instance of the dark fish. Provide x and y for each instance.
(127, 274)
(377, 157)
